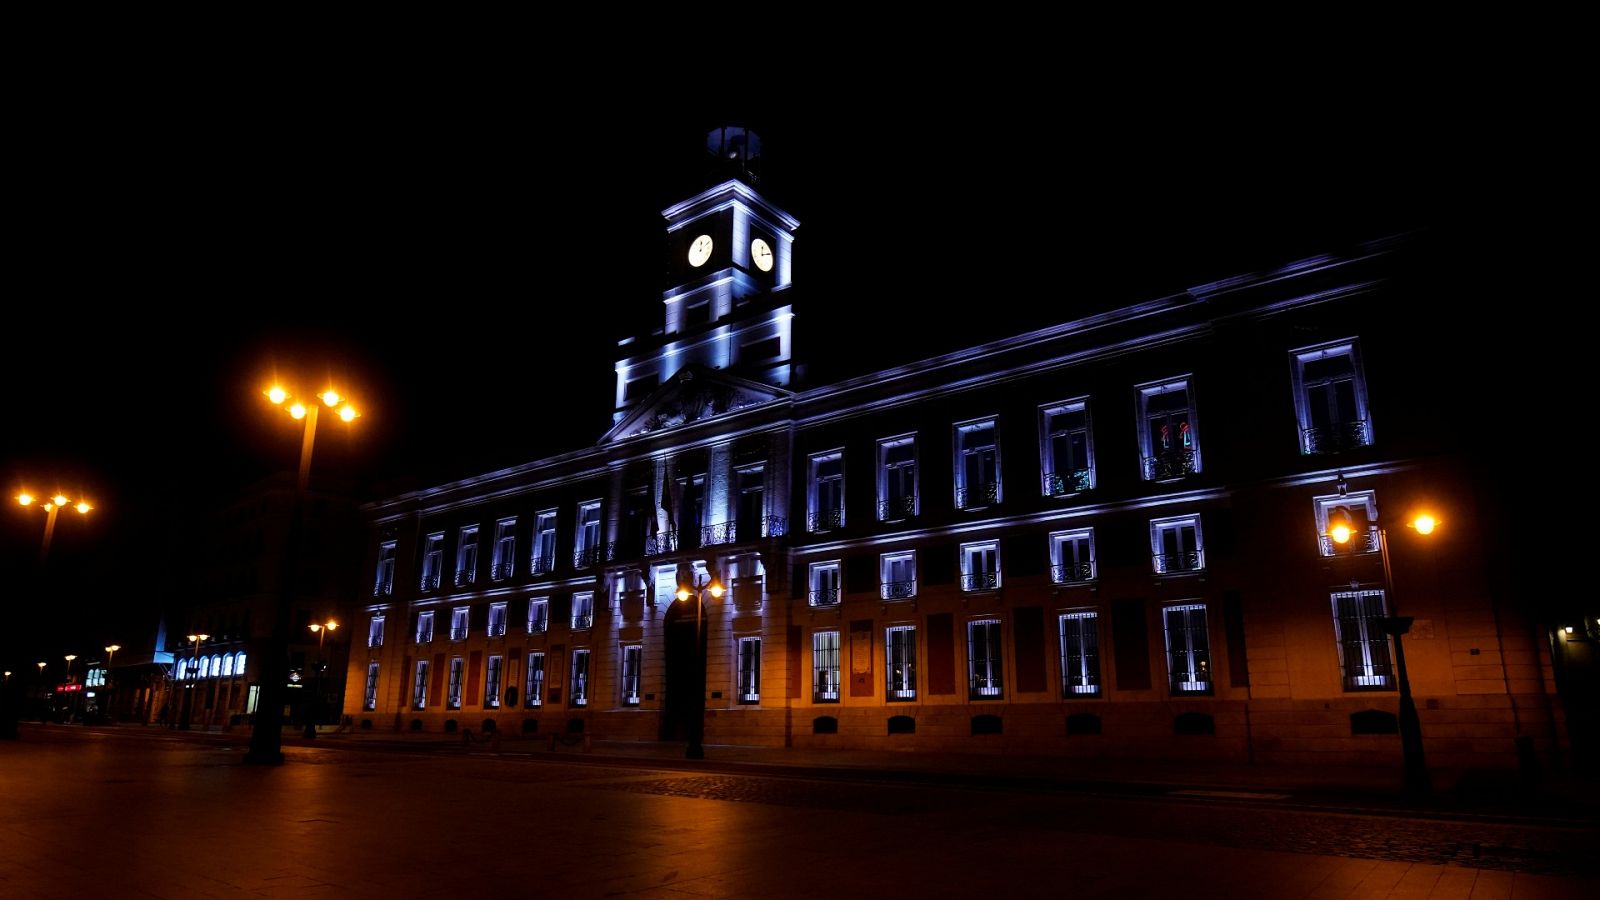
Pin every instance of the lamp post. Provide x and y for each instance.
(111, 657)
(194, 672)
(73, 709)
(266, 738)
(321, 630)
(1414, 767)
(697, 725)
(51, 507)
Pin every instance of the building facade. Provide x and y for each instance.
(1178, 528)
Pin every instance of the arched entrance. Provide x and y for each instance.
(683, 661)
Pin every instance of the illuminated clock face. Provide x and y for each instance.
(761, 254)
(700, 250)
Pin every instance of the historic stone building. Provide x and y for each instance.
(1178, 528)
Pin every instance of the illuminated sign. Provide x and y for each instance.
(68, 688)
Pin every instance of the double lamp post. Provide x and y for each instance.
(698, 590)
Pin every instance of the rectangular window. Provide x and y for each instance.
(538, 615)
(825, 667)
(977, 465)
(535, 691)
(1080, 654)
(632, 662)
(750, 515)
(586, 550)
(1176, 546)
(375, 632)
(825, 583)
(458, 668)
(900, 647)
(467, 556)
(983, 659)
(419, 686)
(491, 683)
(497, 619)
(1072, 556)
(1188, 648)
(425, 627)
(980, 566)
(458, 623)
(897, 478)
(1330, 397)
(370, 698)
(582, 610)
(1347, 523)
(432, 561)
(750, 670)
(544, 543)
(826, 494)
(580, 678)
(505, 549)
(1363, 646)
(1066, 455)
(897, 574)
(383, 584)
(666, 584)
(1169, 440)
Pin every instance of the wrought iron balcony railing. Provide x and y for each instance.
(465, 577)
(665, 542)
(1173, 563)
(458, 634)
(985, 687)
(825, 597)
(1057, 484)
(383, 588)
(898, 590)
(582, 622)
(1335, 438)
(497, 629)
(430, 582)
(826, 520)
(978, 497)
(588, 556)
(744, 530)
(538, 626)
(897, 508)
(1358, 544)
(1169, 465)
(720, 533)
(542, 565)
(425, 637)
(980, 581)
(502, 571)
(1072, 573)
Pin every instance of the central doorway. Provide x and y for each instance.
(678, 708)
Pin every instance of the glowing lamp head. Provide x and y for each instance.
(315, 628)
(716, 589)
(277, 395)
(348, 413)
(298, 410)
(1339, 526)
(41, 666)
(72, 656)
(59, 501)
(332, 625)
(113, 648)
(1567, 629)
(1425, 524)
(683, 595)
(83, 507)
(330, 397)
(25, 498)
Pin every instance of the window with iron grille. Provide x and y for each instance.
(370, 697)
(1080, 654)
(538, 615)
(826, 494)
(505, 549)
(467, 556)
(825, 667)
(1066, 455)
(580, 678)
(632, 663)
(425, 627)
(375, 632)
(587, 546)
(491, 683)
(1072, 556)
(897, 574)
(458, 623)
(900, 647)
(1330, 397)
(824, 583)
(983, 659)
(1176, 546)
(535, 689)
(497, 619)
(582, 610)
(1169, 439)
(1188, 648)
(544, 543)
(897, 478)
(458, 669)
(980, 566)
(750, 670)
(977, 465)
(419, 686)
(432, 560)
(383, 584)
(1363, 647)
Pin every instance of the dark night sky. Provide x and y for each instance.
(466, 275)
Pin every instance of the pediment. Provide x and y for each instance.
(694, 394)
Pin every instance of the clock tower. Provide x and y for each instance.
(727, 306)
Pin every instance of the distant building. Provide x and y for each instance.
(1157, 531)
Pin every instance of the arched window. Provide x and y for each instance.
(205, 667)
(180, 667)
(238, 663)
(216, 667)
(227, 666)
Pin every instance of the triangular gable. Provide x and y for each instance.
(693, 394)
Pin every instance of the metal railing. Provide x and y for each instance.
(458, 634)
(896, 508)
(581, 622)
(425, 637)
(1072, 573)
(1358, 544)
(897, 590)
(978, 497)
(465, 577)
(501, 571)
(1057, 484)
(383, 588)
(665, 542)
(586, 557)
(539, 625)
(1169, 465)
(720, 533)
(542, 565)
(430, 582)
(825, 597)
(1172, 563)
(826, 520)
(980, 581)
(1335, 438)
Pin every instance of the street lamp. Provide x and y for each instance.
(73, 710)
(1414, 768)
(52, 506)
(111, 657)
(697, 726)
(266, 738)
(194, 672)
(321, 630)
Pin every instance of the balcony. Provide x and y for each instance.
(1358, 544)
(1335, 438)
(1072, 573)
(497, 629)
(897, 590)
(1176, 563)
(430, 582)
(586, 557)
(383, 588)
(1061, 484)
(465, 577)
(825, 597)
(1169, 465)
(542, 565)
(665, 542)
(978, 497)
(425, 637)
(582, 621)
(458, 634)
(896, 508)
(538, 624)
(743, 531)
(826, 520)
(501, 571)
(981, 581)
